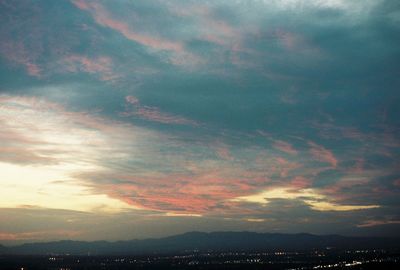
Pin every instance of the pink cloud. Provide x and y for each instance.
(211, 28)
(216, 30)
(191, 185)
(81, 4)
(101, 65)
(21, 37)
(132, 100)
(179, 55)
(33, 69)
(153, 113)
(322, 154)
(296, 42)
(223, 152)
(198, 186)
(17, 54)
(104, 18)
(285, 147)
(379, 143)
(289, 40)
(397, 183)
(329, 131)
(338, 189)
(300, 182)
(198, 193)
(358, 167)
(277, 165)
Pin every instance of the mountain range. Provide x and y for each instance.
(201, 241)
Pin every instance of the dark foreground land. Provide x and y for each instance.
(315, 259)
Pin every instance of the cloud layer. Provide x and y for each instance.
(205, 115)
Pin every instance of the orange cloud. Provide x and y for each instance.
(373, 223)
(38, 235)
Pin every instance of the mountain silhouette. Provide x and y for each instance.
(214, 241)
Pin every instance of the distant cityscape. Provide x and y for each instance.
(278, 260)
(215, 250)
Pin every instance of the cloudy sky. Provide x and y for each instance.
(134, 119)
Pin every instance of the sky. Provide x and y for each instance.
(135, 119)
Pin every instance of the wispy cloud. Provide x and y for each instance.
(105, 18)
(373, 223)
(153, 113)
(285, 147)
(223, 152)
(38, 235)
(320, 153)
(101, 65)
(17, 54)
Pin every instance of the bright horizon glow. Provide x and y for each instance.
(50, 187)
(311, 197)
